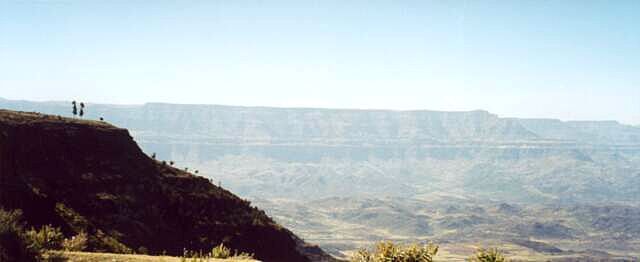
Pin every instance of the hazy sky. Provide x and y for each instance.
(553, 59)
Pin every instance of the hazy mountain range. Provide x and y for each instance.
(393, 170)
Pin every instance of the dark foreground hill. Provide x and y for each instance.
(91, 176)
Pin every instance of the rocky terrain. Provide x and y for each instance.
(90, 176)
(344, 178)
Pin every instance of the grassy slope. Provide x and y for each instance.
(100, 257)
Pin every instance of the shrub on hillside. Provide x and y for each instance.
(76, 243)
(106, 243)
(488, 255)
(221, 251)
(218, 252)
(14, 245)
(390, 252)
(77, 222)
(46, 238)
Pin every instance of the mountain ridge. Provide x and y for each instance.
(423, 126)
(482, 111)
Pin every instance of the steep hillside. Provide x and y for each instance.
(91, 176)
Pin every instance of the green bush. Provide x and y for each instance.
(76, 243)
(14, 245)
(390, 252)
(46, 238)
(488, 255)
(221, 251)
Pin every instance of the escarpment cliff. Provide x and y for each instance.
(91, 176)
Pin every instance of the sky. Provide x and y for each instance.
(571, 60)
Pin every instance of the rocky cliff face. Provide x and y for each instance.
(91, 176)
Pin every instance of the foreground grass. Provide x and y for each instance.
(61, 256)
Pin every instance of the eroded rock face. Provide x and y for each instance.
(91, 176)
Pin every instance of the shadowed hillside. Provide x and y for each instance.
(91, 176)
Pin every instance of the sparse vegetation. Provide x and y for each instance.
(60, 256)
(76, 243)
(14, 244)
(389, 252)
(110, 244)
(46, 238)
(218, 252)
(488, 255)
(221, 251)
(77, 222)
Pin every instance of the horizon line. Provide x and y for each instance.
(636, 125)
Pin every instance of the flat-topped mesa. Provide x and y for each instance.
(314, 125)
(217, 124)
(84, 175)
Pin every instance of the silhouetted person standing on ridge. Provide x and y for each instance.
(81, 109)
(75, 109)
